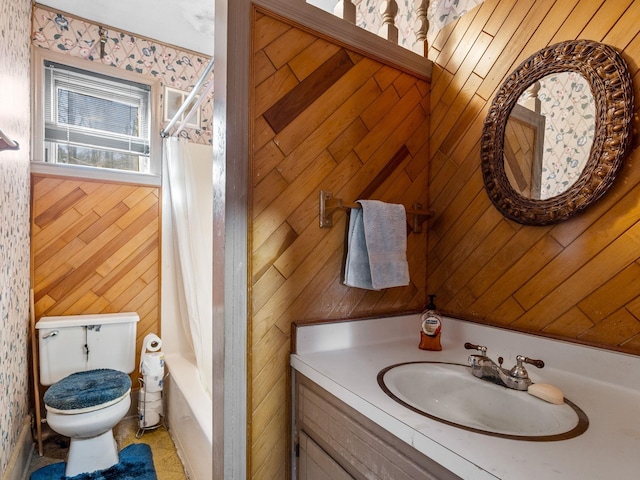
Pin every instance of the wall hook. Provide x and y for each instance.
(103, 40)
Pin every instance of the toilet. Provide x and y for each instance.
(85, 360)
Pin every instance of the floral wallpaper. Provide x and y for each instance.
(14, 225)
(174, 67)
(443, 12)
(440, 14)
(567, 103)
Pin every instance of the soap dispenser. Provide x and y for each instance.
(431, 327)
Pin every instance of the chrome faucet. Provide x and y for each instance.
(486, 369)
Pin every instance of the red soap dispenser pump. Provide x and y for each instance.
(431, 327)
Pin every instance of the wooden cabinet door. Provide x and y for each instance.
(344, 441)
(315, 464)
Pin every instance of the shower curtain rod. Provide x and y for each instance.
(196, 88)
(6, 143)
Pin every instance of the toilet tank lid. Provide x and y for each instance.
(81, 320)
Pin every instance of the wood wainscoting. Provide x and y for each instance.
(95, 249)
(578, 280)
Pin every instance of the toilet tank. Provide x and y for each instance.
(74, 343)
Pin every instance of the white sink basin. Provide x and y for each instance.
(448, 393)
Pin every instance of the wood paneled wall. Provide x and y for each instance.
(325, 118)
(578, 280)
(95, 249)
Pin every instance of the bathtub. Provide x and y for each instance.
(189, 417)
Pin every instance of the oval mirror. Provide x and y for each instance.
(557, 132)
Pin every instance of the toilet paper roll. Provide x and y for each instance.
(145, 396)
(153, 412)
(149, 419)
(154, 406)
(153, 383)
(152, 363)
(151, 343)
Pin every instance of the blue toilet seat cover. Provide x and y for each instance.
(87, 389)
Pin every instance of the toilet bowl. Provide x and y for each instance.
(85, 407)
(85, 360)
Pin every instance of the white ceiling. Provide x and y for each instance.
(183, 23)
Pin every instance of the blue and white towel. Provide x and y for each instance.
(377, 246)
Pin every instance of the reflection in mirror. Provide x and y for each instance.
(524, 144)
(537, 179)
(549, 134)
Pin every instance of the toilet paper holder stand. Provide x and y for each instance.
(143, 414)
(151, 345)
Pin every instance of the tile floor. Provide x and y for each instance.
(165, 458)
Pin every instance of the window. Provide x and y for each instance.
(94, 121)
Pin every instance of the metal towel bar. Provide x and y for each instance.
(329, 205)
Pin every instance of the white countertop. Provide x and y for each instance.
(344, 358)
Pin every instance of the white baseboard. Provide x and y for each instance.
(18, 466)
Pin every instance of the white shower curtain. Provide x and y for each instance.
(191, 249)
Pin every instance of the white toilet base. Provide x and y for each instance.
(91, 454)
(90, 450)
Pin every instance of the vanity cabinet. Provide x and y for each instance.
(335, 442)
(316, 464)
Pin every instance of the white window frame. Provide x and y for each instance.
(173, 100)
(39, 163)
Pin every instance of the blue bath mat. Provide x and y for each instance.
(135, 463)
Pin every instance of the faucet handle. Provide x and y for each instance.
(531, 361)
(519, 371)
(480, 348)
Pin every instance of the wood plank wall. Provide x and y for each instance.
(95, 249)
(578, 280)
(325, 118)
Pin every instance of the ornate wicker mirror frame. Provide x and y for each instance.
(606, 73)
